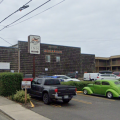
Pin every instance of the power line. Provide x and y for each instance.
(21, 8)
(25, 15)
(6, 41)
(1, 1)
(38, 13)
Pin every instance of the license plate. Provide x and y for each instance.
(65, 96)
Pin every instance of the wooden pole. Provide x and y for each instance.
(33, 66)
(25, 95)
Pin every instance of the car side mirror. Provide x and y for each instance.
(38, 82)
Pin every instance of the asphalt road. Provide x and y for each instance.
(4, 117)
(81, 107)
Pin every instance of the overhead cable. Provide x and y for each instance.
(6, 41)
(37, 14)
(25, 15)
(1, 1)
(23, 7)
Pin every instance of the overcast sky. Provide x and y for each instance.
(92, 25)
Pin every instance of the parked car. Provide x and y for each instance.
(28, 77)
(107, 76)
(108, 88)
(72, 75)
(90, 76)
(116, 73)
(51, 89)
(66, 78)
(105, 72)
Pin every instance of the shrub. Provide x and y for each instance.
(79, 85)
(9, 83)
(20, 96)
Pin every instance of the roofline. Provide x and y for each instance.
(8, 47)
(87, 54)
(52, 44)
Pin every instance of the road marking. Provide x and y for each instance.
(32, 105)
(56, 105)
(95, 97)
(82, 101)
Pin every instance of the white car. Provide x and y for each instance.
(107, 77)
(66, 78)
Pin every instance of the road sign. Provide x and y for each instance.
(26, 84)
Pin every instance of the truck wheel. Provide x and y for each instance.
(66, 101)
(109, 95)
(85, 92)
(46, 98)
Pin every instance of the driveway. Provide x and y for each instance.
(81, 107)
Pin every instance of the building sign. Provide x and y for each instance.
(34, 44)
(52, 51)
(26, 84)
(52, 46)
(4, 66)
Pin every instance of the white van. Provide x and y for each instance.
(90, 76)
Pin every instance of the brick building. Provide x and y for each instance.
(53, 59)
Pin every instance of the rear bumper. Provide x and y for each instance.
(57, 97)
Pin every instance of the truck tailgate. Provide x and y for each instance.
(66, 90)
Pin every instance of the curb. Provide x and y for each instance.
(6, 114)
(79, 91)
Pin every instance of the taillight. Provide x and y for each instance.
(56, 90)
(75, 89)
(97, 77)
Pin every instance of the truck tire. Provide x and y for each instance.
(66, 101)
(46, 98)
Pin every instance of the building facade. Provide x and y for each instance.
(111, 63)
(53, 59)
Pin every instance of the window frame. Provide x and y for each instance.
(49, 58)
(57, 59)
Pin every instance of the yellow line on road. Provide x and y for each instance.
(32, 105)
(95, 97)
(82, 101)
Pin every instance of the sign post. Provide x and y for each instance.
(34, 48)
(25, 85)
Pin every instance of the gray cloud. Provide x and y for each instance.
(92, 25)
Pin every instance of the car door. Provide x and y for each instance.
(39, 88)
(97, 87)
(33, 86)
(105, 86)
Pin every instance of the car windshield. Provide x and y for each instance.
(117, 82)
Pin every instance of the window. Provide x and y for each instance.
(105, 83)
(47, 58)
(57, 58)
(97, 83)
(39, 81)
(34, 81)
(117, 83)
(52, 82)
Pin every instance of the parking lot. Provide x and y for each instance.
(81, 107)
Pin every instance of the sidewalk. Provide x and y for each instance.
(17, 111)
